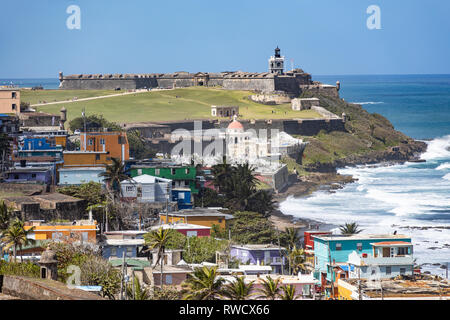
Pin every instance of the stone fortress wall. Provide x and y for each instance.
(289, 82)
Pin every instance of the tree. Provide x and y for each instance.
(114, 174)
(5, 216)
(93, 122)
(203, 284)
(253, 228)
(288, 293)
(138, 292)
(15, 236)
(26, 241)
(158, 240)
(222, 172)
(350, 228)
(238, 289)
(292, 237)
(296, 258)
(138, 148)
(5, 150)
(270, 288)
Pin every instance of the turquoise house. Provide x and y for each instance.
(335, 250)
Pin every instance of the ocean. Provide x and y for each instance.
(412, 198)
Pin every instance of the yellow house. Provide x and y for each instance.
(9, 100)
(82, 230)
(199, 216)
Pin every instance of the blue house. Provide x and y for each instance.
(260, 254)
(331, 250)
(37, 146)
(115, 248)
(40, 175)
(77, 176)
(183, 198)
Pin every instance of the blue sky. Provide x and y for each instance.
(324, 37)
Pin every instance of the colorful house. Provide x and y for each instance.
(181, 176)
(331, 250)
(146, 188)
(182, 196)
(114, 143)
(41, 175)
(86, 159)
(387, 260)
(115, 248)
(81, 230)
(199, 216)
(31, 146)
(76, 176)
(257, 254)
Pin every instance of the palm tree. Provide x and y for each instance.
(4, 216)
(27, 241)
(222, 172)
(350, 228)
(296, 258)
(158, 239)
(270, 288)
(139, 293)
(292, 237)
(203, 284)
(16, 236)
(114, 174)
(238, 289)
(288, 293)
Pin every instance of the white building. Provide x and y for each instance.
(146, 188)
(388, 260)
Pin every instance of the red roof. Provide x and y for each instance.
(236, 125)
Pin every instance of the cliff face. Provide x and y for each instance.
(369, 138)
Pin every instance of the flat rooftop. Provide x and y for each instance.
(199, 212)
(421, 286)
(258, 247)
(341, 237)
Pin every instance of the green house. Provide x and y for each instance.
(181, 176)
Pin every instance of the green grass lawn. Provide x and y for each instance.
(174, 105)
(38, 96)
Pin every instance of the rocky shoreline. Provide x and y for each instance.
(325, 177)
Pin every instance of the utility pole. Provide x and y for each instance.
(123, 275)
(167, 203)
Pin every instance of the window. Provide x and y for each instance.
(186, 170)
(388, 270)
(16, 176)
(180, 195)
(129, 251)
(139, 171)
(191, 233)
(338, 246)
(157, 172)
(402, 251)
(402, 270)
(14, 106)
(168, 279)
(33, 175)
(90, 142)
(97, 157)
(14, 95)
(359, 246)
(114, 252)
(172, 171)
(102, 141)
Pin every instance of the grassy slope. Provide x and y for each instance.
(172, 105)
(38, 96)
(367, 133)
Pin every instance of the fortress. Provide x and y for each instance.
(275, 80)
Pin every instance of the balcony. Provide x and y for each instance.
(396, 260)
